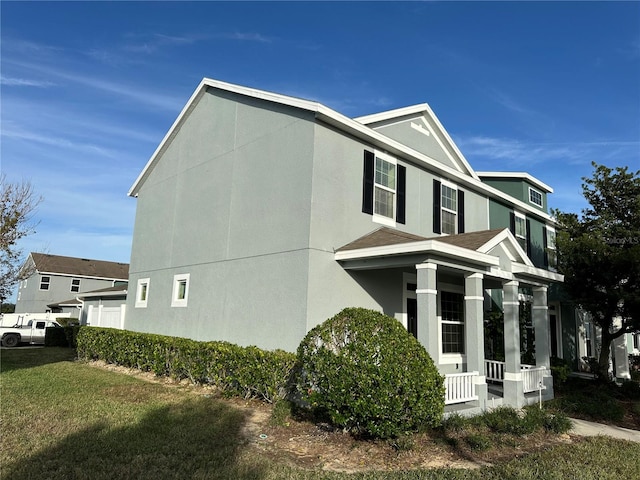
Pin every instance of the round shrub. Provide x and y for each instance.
(369, 376)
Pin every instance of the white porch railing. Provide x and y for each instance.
(460, 387)
(494, 370)
(532, 376)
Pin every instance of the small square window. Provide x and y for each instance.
(45, 282)
(142, 293)
(180, 294)
(535, 197)
(75, 285)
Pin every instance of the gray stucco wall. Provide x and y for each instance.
(228, 203)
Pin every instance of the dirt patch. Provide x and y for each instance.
(307, 445)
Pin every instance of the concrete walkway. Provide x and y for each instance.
(591, 429)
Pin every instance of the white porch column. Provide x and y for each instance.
(541, 325)
(513, 385)
(620, 353)
(427, 299)
(474, 332)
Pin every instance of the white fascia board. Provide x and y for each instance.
(505, 236)
(424, 246)
(117, 293)
(518, 175)
(391, 114)
(349, 125)
(537, 273)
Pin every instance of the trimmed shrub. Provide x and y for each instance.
(364, 372)
(55, 337)
(238, 371)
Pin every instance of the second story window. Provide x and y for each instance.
(521, 230)
(75, 285)
(448, 208)
(44, 282)
(550, 253)
(384, 184)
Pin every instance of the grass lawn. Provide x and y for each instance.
(62, 419)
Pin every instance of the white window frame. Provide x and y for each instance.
(71, 288)
(443, 209)
(378, 217)
(551, 245)
(520, 216)
(177, 281)
(47, 283)
(143, 286)
(533, 190)
(451, 358)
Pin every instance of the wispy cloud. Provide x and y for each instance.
(522, 154)
(137, 94)
(24, 82)
(16, 133)
(246, 37)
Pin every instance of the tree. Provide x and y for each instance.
(599, 254)
(18, 202)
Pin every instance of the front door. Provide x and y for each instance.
(412, 316)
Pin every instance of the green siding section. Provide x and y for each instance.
(517, 188)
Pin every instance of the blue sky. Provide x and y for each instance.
(89, 89)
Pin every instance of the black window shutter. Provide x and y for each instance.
(367, 182)
(460, 211)
(528, 238)
(436, 206)
(512, 223)
(400, 192)
(545, 246)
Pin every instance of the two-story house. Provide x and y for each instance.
(53, 282)
(261, 215)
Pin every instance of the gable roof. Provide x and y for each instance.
(430, 122)
(345, 124)
(79, 267)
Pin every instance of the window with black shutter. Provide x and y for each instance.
(384, 187)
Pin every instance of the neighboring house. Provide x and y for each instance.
(52, 278)
(259, 216)
(105, 307)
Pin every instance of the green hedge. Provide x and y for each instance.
(245, 371)
(61, 336)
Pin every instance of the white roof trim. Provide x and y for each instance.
(114, 293)
(521, 175)
(81, 277)
(422, 246)
(534, 272)
(505, 236)
(348, 125)
(391, 114)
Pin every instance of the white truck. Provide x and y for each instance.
(33, 332)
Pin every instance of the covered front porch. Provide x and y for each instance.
(448, 285)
